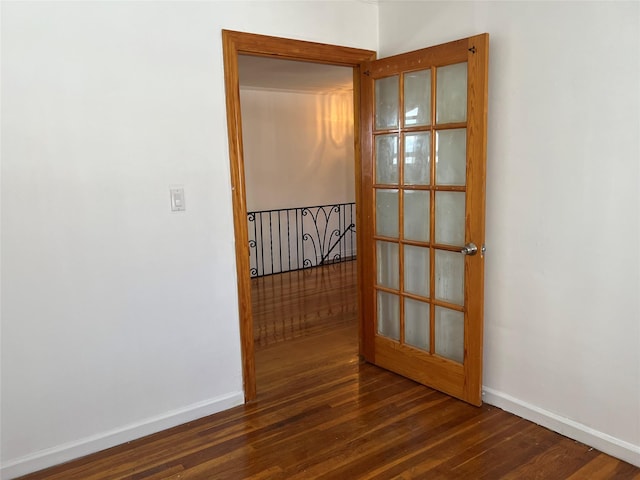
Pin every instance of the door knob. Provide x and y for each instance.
(469, 249)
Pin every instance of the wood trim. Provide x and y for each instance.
(400, 162)
(444, 54)
(357, 151)
(366, 227)
(424, 366)
(475, 224)
(439, 188)
(432, 216)
(448, 126)
(290, 49)
(233, 44)
(236, 159)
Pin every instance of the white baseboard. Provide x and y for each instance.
(601, 441)
(95, 443)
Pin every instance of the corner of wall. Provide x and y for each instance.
(95, 443)
(564, 426)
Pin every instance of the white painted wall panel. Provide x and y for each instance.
(298, 148)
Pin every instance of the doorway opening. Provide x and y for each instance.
(300, 186)
(237, 44)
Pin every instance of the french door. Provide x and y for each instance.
(423, 205)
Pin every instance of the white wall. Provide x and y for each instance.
(562, 316)
(298, 148)
(119, 318)
(298, 152)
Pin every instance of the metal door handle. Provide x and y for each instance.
(469, 249)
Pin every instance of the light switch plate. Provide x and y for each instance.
(177, 199)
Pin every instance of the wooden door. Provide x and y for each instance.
(423, 204)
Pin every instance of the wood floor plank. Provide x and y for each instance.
(322, 414)
(605, 466)
(461, 444)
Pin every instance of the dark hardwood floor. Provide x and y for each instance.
(321, 414)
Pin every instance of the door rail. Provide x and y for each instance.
(288, 239)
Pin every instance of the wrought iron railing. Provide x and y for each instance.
(302, 237)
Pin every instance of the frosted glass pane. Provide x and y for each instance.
(449, 276)
(416, 323)
(387, 213)
(387, 159)
(417, 98)
(389, 315)
(387, 266)
(416, 270)
(451, 157)
(450, 218)
(449, 335)
(416, 215)
(387, 97)
(417, 158)
(451, 93)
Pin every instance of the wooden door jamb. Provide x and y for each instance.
(234, 44)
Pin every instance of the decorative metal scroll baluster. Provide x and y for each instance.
(302, 237)
(253, 271)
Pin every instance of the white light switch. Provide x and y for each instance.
(177, 199)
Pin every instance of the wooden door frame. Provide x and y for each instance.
(234, 44)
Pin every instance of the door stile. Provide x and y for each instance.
(475, 223)
(367, 217)
(432, 222)
(363, 169)
(400, 161)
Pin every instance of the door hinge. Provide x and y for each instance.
(473, 49)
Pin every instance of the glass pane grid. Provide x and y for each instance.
(386, 159)
(417, 324)
(451, 93)
(417, 97)
(387, 213)
(416, 270)
(388, 315)
(449, 276)
(387, 100)
(417, 158)
(449, 334)
(451, 157)
(450, 210)
(387, 264)
(421, 321)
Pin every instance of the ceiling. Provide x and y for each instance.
(289, 75)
